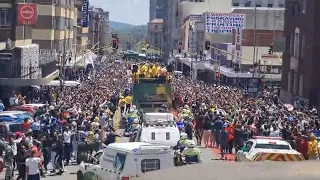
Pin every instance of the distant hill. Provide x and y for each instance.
(123, 30)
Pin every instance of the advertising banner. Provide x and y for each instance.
(224, 23)
(85, 14)
(238, 45)
(27, 14)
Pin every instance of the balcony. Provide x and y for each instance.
(294, 63)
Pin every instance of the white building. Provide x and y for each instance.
(259, 3)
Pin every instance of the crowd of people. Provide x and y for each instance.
(226, 117)
(72, 116)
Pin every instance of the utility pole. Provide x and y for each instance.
(254, 41)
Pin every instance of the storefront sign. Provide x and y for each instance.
(27, 14)
(85, 14)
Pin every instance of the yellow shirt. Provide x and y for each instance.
(122, 102)
(128, 99)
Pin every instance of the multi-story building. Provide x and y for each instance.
(259, 3)
(157, 9)
(104, 27)
(300, 72)
(81, 33)
(155, 33)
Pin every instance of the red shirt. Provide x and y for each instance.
(302, 146)
(230, 132)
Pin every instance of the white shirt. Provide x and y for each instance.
(33, 165)
(67, 136)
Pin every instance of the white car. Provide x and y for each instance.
(262, 148)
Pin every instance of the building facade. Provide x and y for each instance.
(98, 27)
(300, 73)
(155, 33)
(157, 9)
(80, 33)
(258, 3)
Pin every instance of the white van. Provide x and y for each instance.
(127, 161)
(159, 132)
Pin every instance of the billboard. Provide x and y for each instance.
(224, 23)
(237, 45)
(27, 14)
(46, 56)
(85, 14)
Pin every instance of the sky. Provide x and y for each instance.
(134, 12)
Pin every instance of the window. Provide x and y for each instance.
(296, 43)
(289, 81)
(119, 161)
(301, 85)
(291, 44)
(247, 4)
(153, 136)
(281, 5)
(258, 5)
(248, 146)
(167, 136)
(303, 44)
(273, 146)
(235, 4)
(303, 6)
(270, 5)
(150, 165)
(5, 19)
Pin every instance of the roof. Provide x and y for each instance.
(267, 141)
(157, 21)
(127, 146)
(217, 170)
(132, 146)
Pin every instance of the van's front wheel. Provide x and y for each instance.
(80, 175)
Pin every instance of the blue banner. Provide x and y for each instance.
(85, 13)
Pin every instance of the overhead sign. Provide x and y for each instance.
(27, 14)
(238, 45)
(85, 14)
(224, 23)
(195, 17)
(46, 56)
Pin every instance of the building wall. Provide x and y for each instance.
(155, 34)
(262, 3)
(188, 8)
(54, 30)
(300, 73)
(266, 18)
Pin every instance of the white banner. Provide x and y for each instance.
(46, 56)
(238, 46)
(224, 23)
